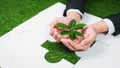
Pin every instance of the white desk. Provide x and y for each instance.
(20, 48)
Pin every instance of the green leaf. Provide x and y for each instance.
(79, 26)
(71, 29)
(78, 33)
(61, 25)
(71, 32)
(64, 32)
(73, 36)
(72, 23)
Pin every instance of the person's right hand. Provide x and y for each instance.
(85, 43)
(54, 31)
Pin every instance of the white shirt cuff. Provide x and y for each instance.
(110, 26)
(75, 10)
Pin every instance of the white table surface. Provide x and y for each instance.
(20, 48)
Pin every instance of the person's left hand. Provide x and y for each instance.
(89, 38)
(55, 31)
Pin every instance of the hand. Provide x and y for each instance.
(89, 38)
(54, 31)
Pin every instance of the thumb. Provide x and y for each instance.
(84, 42)
(85, 32)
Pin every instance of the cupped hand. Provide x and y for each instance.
(85, 43)
(55, 31)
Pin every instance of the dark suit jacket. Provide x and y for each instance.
(80, 5)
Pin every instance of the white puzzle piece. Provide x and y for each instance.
(20, 48)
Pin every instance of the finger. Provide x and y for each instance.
(52, 26)
(79, 30)
(76, 46)
(55, 33)
(85, 42)
(58, 38)
(88, 38)
(64, 41)
(85, 47)
(65, 36)
(78, 39)
(51, 32)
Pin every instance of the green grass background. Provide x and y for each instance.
(15, 12)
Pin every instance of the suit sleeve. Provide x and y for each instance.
(75, 4)
(115, 18)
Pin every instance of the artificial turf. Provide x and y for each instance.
(15, 12)
(57, 52)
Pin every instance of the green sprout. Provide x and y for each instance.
(71, 29)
